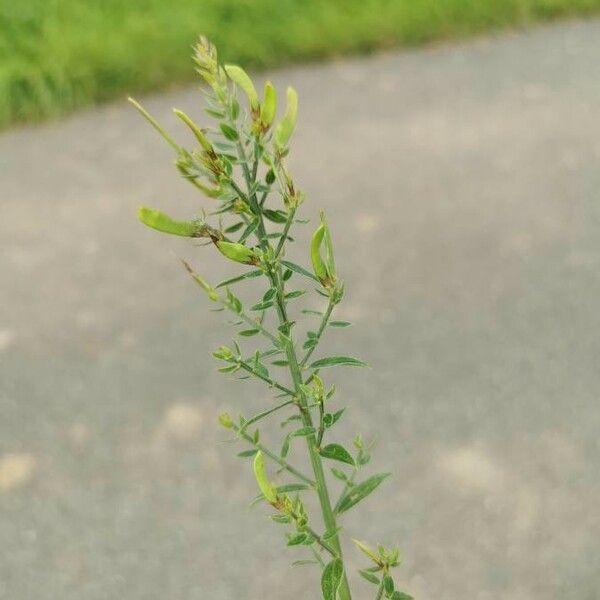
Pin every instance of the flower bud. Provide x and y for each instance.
(162, 222)
(225, 420)
(269, 106)
(286, 127)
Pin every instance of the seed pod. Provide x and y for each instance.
(241, 78)
(162, 222)
(284, 130)
(269, 106)
(195, 130)
(268, 490)
(237, 252)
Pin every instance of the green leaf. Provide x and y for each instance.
(277, 216)
(292, 487)
(247, 453)
(295, 294)
(339, 323)
(262, 306)
(298, 269)
(361, 491)
(304, 432)
(235, 227)
(401, 596)
(337, 452)
(248, 332)
(370, 577)
(331, 579)
(229, 132)
(388, 585)
(297, 539)
(248, 275)
(334, 361)
(339, 474)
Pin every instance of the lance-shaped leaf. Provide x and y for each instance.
(331, 579)
(401, 596)
(163, 222)
(268, 490)
(284, 130)
(334, 361)
(242, 79)
(358, 492)
(337, 452)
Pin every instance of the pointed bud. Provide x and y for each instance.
(269, 106)
(225, 420)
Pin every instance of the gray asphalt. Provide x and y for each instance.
(462, 185)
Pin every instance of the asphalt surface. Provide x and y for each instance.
(462, 186)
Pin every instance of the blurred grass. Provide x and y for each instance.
(57, 55)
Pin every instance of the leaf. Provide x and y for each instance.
(262, 305)
(331, 579)
(367, 551)
(334, 361)
(248, 275)
(370, 577)
(292, 487)
(277, 216)
(235, 227)
(361, 491)
(298, 269)
(339, 323)
(337, 452)
(295, 294)
(247, 453)
(248, 332)
(297, 539)
(304, 432)
(229, 132)
(388, 585)
(401, 596)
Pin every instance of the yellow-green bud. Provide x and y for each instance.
(268, 490)
(284, 130)
(225, 420)
(237, 252)
(241, 78)
(269, 105)
(162, 222)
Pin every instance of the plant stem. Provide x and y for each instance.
(380, 591)
(276, 280)
(320, 331)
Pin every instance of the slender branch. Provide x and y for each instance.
(265, 414)
(348, 485)
(286, 230)
(274, 457)
(322, 326)
(250, 321)
(244, 365)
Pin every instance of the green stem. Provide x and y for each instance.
(244, 365)
(380, 591)
(320, 331)
(276, 280)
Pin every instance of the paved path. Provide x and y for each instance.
(463, 184)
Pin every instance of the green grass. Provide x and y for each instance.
(57, 55)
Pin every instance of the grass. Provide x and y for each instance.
(58, 55)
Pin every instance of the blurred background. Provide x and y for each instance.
(455, 147)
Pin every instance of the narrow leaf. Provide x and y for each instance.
(334, 361)
(361, 491)
(298, 269)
